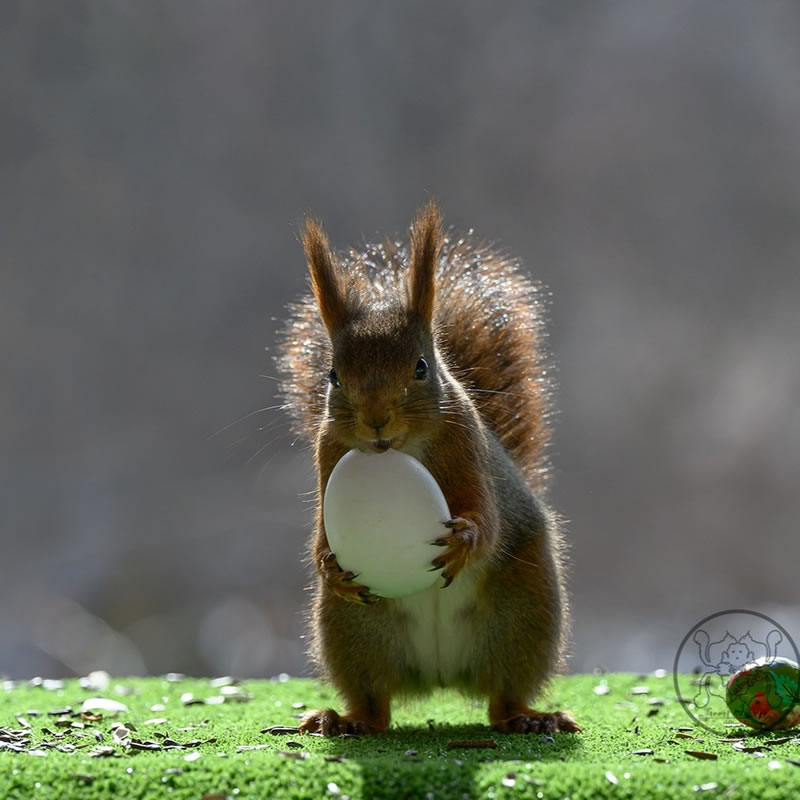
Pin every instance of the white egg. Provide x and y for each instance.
(381, 512)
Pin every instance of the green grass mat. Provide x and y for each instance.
(210, 740)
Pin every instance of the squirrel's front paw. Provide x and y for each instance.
(460, 544)
(343, 583)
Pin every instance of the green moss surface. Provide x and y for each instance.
(413, 760)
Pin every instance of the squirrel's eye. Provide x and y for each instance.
(421, 371)
(334, 379)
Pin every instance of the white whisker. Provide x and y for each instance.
(242, 419)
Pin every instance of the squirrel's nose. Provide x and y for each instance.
(381, 424)
(376, 415)
(376, 420)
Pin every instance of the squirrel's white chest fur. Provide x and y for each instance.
(440, 631)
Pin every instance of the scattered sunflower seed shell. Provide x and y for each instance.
(299, 756)
(102, 704)
(745, 748)
(702, 755)
(102, 752)
(782, 740)
(472, 744)
(225, 680)
(96, 681)
(137, 744)
(280, 730)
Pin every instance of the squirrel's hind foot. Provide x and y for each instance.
(530, 721)
(331, 723)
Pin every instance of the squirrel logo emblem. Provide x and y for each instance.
(727, 656)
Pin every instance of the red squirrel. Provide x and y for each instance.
(433, 348)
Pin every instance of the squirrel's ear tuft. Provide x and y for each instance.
(327, 290)
(426, 246)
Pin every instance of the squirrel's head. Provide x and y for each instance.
(384, 386)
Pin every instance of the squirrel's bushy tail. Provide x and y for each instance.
(488, 326)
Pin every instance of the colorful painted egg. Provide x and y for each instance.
(765, 694)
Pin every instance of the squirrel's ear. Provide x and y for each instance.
(426, 246)
(327, 290)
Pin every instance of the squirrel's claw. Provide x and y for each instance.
(328, 723)
(530, 721)
(461, 542)
(343, 583)
(438, 563)
(457, 524)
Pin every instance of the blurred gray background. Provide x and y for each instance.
(156, 158)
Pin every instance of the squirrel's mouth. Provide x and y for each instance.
(383, 443)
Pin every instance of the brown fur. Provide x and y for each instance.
(488, 325)
(474, 320)
(426, 244)
(328, 295)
